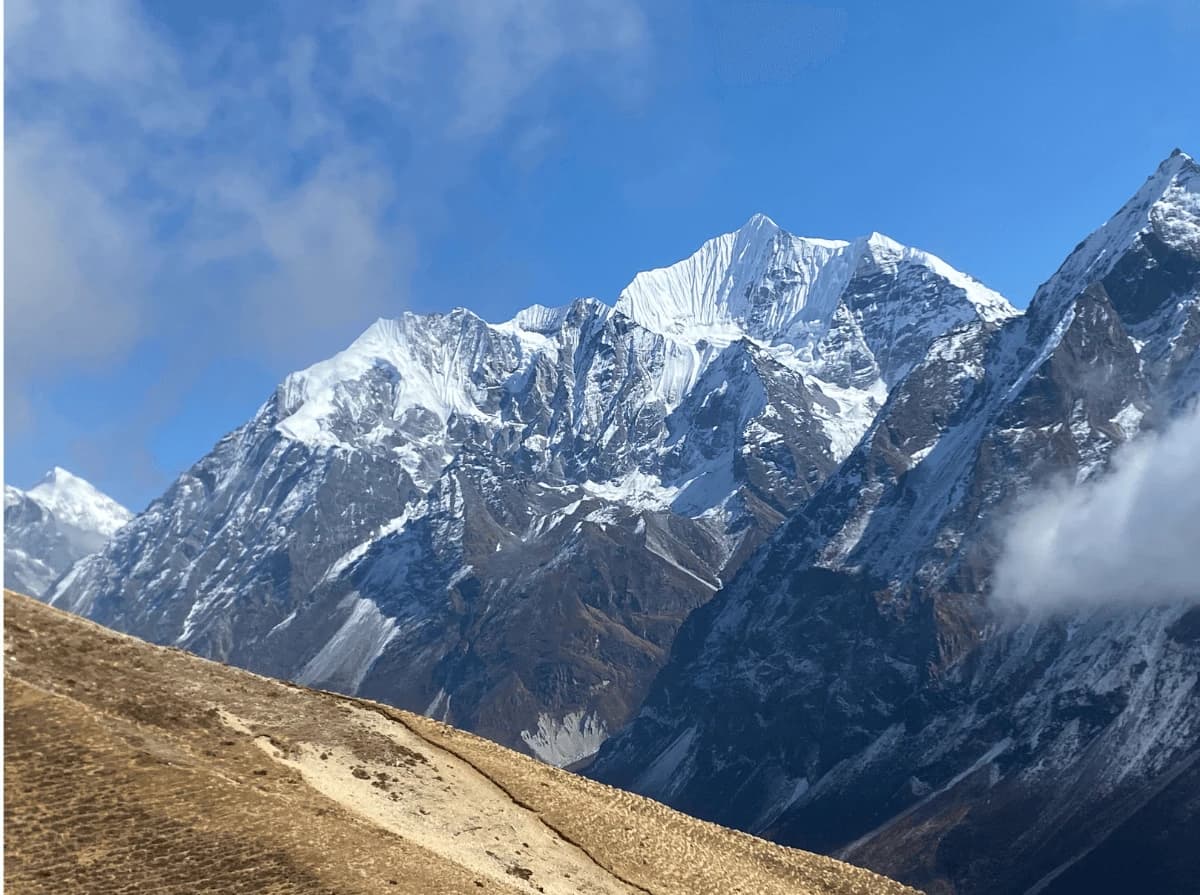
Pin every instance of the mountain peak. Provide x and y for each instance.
(759, 223)
(877, 241)
(76, 501)
(59, 480)
(1167, 205)
(1177, 156)
(1177, 170)
(764, 283)
(709, 294)
(538, 318)
(57, 477)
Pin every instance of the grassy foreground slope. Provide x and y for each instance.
(134, 768)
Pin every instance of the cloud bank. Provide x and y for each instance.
(1130, 537)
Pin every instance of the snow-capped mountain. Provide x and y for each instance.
(853, 689)
(504, 524)
(51, 526)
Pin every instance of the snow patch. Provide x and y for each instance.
(283, 624)
(635, 489)
(1129, 420)
(657, 779)
(561, 743)
(441, 701)
(360, 550)
(345, 660)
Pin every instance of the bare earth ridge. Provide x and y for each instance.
(134, 768)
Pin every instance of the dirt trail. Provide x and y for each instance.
(444, 804)
(133, 768)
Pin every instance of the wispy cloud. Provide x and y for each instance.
(481, 58)
(260, 188)
(74, 279)
(1128, 537)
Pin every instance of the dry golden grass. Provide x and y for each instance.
(133, 768)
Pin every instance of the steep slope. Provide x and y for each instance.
(503, 525)
(135, 768)
(854, 689)
(48, 528)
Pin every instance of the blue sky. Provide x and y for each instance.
(202, 197)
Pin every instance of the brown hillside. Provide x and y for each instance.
(133, 768)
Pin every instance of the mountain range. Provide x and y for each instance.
(503, 525)
(737, 533)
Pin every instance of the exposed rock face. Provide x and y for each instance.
(50, 527)
(503, 525)
(854, 690)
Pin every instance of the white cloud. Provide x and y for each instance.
(1128, 537)
(145, 180)
(490, 54)
(322, 248)
(73, 275)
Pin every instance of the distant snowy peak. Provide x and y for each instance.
(51, 526)
(755, 280)
(1166, 209)
(765, 283)
(76, 502)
